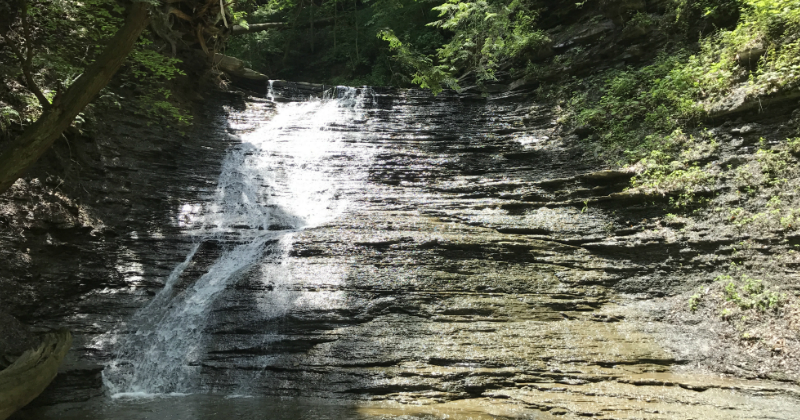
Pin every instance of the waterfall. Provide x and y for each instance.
(276, 182)
(271, 91)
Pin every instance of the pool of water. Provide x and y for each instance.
(211, 407)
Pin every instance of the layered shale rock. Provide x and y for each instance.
(481, 257)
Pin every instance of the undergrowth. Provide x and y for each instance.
(738, 294)
(62, 39)
(765, 179)
(635, 111)
(652, 117)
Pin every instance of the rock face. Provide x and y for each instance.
(478, 258)
(15, 339)
(475, 255)
(70, 231)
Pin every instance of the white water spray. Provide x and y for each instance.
(278, 181)
(271, 91)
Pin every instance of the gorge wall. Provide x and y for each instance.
(491, 255)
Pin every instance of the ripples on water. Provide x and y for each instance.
(210, 407)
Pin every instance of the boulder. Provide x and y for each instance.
(749, 57)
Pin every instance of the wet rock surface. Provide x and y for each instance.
(93, 227)
(16, 339)
(483, 259)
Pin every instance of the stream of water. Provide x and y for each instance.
(278, 181)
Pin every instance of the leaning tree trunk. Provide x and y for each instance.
(25, 150)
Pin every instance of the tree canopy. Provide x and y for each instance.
(59, 55)
(48, 46)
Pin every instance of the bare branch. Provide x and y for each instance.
(180, 14)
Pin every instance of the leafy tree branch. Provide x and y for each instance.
(22, 152)
(25, 56)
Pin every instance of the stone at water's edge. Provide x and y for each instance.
(30, 374)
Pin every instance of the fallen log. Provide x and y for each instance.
(239, 73)
(32, 372)
(256, 27)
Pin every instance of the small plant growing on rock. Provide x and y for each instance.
(750, 293)
(695, 300)
(7, 116)
(793, 145)
(641, 20)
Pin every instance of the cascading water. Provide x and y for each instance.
(273, 184)
(271, 90)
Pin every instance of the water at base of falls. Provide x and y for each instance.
(215, 407)
(275, 183)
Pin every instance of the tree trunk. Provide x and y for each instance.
(25, 150)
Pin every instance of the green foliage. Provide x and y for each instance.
(151, 70)
(671, 168)
(768, 27)
(66, 36)
(7, 116)
(740, 292)
(400, 42)
(684, 184)
(640, 20)
(255, 48)
(695, 300)
(768, 169)
(634, 110)
(688, 10)
(485, 34)
(426, 74)
(763, 183)
(749, 293)
(793, 145)
(343, 46)
(239, 18)
(147, 63)
(71, 34)
(639, 115)
(155, 105)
